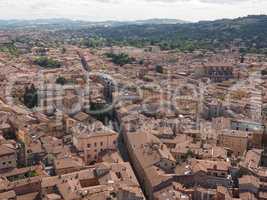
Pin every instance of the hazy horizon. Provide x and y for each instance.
(129, 20)
(129, 10)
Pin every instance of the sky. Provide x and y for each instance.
(101, 10)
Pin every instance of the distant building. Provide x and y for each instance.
(4, 39)
(217, 72)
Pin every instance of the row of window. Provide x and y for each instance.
(96, 144)
(95, 157)
(5, 163)
(217, 174)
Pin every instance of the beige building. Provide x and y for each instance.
(8, 156)
(252, 130)
(217, 72)
(235, 141)
(92, 141)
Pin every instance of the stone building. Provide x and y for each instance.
(8, 156)
(94, 141)
(216, 72)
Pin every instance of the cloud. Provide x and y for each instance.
(45, 3)
(99, 10)
(227, 1)
(205, 1)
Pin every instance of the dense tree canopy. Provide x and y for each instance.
(31, 97)
(120, 59)
(47, 62)
(247, 32)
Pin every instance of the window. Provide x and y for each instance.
(118, 174)
(4, 163)
(114, 142)
(101, 143)
(95, 144)
(88, 145)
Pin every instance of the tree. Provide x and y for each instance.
(141, 62)
(159, 69)
(189, 154)
(93, 42)
(47, 62)
(61, 80)
(264, 72)
(120, 59)
(31, 97)
(63, 50)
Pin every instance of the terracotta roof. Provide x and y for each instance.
(252, 159)
(30, 196)
(8, 195)
(69, 162)
(7, 149)
(247, 196)
(205, 165)
(171, 194)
